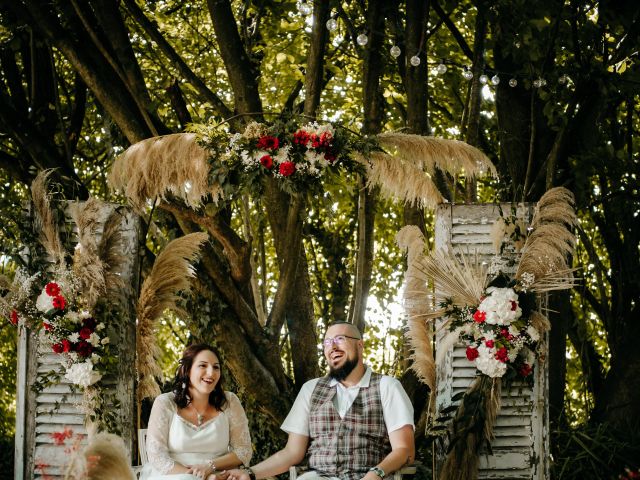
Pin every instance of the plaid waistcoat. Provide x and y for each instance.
(347, 447)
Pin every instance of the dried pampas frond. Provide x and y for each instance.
(551, 243)
(104, 458)
(420, 332)
(540, 322)
(45, 221)
(157, 166)
(170, 275)
(400, 180)
(87, 265)
(426, 153)
(110, 252)
(470, 430)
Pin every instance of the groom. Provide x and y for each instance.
(352, 424)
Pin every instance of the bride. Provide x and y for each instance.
(197, 431)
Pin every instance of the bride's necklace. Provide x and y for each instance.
(199, 416)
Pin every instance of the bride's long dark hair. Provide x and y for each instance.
(182, 398)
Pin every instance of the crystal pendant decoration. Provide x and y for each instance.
(200, 418)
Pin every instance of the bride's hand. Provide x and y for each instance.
(201, 470)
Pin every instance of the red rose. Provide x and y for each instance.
(287, 169)
(325, 139)
(525, 370)
(59, 302)
(268, 143)
(301, 137)
(66, 345)
(85, 332)
(266, 161)
(514, 305)
(89, 322)
(57, 348)
(330, 156)
(84, 349)
(472, 353)
(489, 343)
(47, 326)
(52, 289)
(502, 354)
(14, 317)
(479, 316)
(315, 140)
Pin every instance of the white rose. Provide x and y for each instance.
(533, 333)
(44, 302)
(74, 337)
(94, 339)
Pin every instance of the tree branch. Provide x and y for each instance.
(454, 30)
(315, 59)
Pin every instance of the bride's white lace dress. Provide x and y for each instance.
(171, 438)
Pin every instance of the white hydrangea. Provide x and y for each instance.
(82, 374)
(487, 362)
(501, 306)
(94, 339)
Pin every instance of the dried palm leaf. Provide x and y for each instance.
(173, 164)
(455, 277)
(470, 430)
(170, 275)
(45, 221)
(420, 332)
(426, 153)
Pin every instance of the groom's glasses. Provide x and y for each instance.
(338, 340)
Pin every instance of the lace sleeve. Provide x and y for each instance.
(158, 433)
(239, 437)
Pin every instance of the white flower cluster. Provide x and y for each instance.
(487, 362)
(82, 374)
(500, 306)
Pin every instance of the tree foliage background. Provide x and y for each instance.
(82, 80)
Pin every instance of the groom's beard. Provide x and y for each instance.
(343, 372)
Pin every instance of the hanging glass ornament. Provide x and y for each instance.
(304, 8)
(395, 51)
(483, 79)
(495, 80)
(415, 60)
(362, 39)
(332, 24)
(441, 68)
(513, 82)
(467, 74)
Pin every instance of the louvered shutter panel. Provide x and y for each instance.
(41, 413)
(521, 445)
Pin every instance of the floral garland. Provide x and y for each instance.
(296, 156)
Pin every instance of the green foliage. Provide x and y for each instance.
(595, 452)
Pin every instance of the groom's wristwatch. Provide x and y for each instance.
(378, 471)
(252, 475)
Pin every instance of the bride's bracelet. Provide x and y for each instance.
(211, 465)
